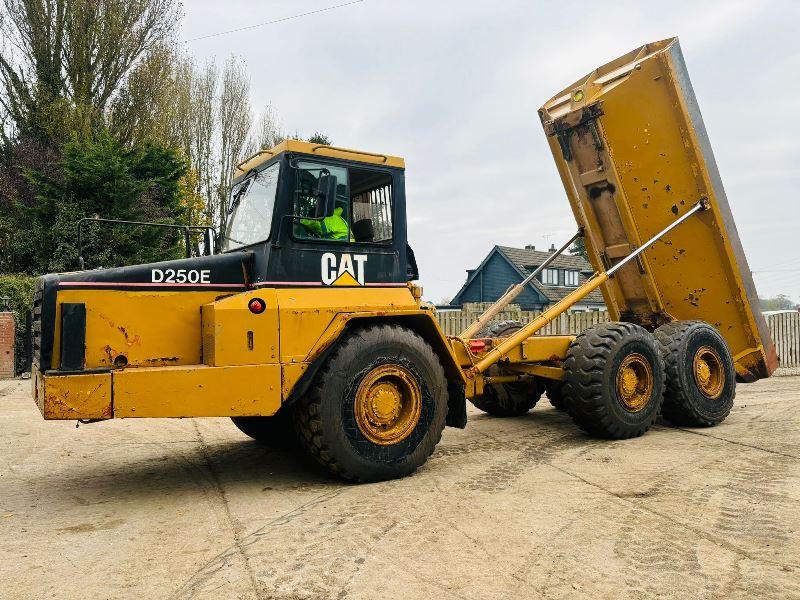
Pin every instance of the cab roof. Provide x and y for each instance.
(318, 150)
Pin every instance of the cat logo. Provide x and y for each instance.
(346, 270)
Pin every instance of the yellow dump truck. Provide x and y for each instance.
(306, 329)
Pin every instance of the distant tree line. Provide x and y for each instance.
(102, 115)
(779, 302)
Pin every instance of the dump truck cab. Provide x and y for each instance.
(319, 216)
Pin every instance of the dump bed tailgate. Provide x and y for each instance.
(633, 154)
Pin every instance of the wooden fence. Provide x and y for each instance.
(455, 321)
(785, 330)
(784, 327)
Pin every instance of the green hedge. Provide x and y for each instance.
(19, 290)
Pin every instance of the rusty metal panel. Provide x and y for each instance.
(68, 397)
(633, 154)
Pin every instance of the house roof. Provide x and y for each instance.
(525, 261)
(523, 257)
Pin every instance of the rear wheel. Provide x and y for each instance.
(555, 393)
(276, 431)
(614, 379)
(506, 399)
(377, 408)
(701, 378)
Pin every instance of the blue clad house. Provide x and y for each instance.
(505, 266)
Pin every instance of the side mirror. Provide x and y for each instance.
(326, 195)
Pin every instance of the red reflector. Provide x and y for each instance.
(476, 346)
(257, 306)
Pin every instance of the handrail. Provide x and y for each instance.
(187, 229)
(382, 156)
(249, 158)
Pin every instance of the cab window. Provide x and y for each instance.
(251, 208)
(335, 227)
(363, 209)
(371, 205)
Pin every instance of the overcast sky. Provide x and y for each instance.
(454, 86)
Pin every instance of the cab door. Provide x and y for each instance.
(361, 244)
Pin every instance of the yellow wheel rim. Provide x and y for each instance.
(388, 405)
(634, 382)
(709, 375)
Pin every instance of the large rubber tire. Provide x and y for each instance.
(592, 375)
(499, 329)
(555, 393)
(506, 399)
(684, 402)
(326, 416)
(276, 432)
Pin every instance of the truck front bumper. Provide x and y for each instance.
(175, 391)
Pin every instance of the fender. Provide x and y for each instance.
(421, 322)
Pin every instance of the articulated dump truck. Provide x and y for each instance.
(306, 328)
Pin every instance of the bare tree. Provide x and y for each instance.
(235, 120)
(268, 131)
(152, 103)
(73, 54)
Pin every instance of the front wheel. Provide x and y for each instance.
(614, 380)
(377, 408)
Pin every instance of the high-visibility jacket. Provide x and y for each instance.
(331, 228)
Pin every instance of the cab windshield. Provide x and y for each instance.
(251, 208)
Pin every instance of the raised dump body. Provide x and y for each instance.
(633, 153)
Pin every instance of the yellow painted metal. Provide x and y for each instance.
(233, 335)
(541, 348)
(633, 154)
(708, 372)
(147, 328)
(291, 374)
(86, 396)
(634, 382)
(308, 313)
(301, 147)
(544, 371)
(198, 391)
(508, 344)
(388, 404)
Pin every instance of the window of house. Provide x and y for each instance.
(571, 278)
(363, 212)
(550, 277)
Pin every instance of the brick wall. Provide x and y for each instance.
(6, 345)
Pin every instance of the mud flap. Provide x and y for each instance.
(456, 406)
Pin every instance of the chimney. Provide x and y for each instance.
(530, 247)
(552, 248)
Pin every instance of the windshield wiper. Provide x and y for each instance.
(241, 193)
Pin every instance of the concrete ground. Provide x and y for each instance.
(515, 508)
